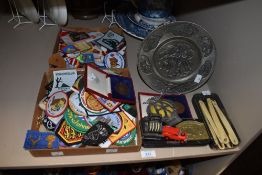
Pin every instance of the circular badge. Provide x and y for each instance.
(91, 104)
(79, 123)
(74, 103)
(114, 60)
(56, 104)
(127, 139)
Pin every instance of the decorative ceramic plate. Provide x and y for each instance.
(176, 58)
(131, 28)
(138, 29)
(147, 23)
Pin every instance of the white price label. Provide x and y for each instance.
(58, 153)
(207, 92)
(148, 154)
(111, 150)
(198, 78)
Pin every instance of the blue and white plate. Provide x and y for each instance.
(149, 23)
(129, 27)
(141, 23)
(139, 26)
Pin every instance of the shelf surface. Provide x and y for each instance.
(25, 53)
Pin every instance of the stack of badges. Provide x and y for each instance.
(75, 117)
(106, 50)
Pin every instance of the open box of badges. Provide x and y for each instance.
(71, 120)
(77, 46)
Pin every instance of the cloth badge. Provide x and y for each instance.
(91, 104)
(111, 40)
(67, 134)
(97, 134)
(126, 139)
(108, 104)
(129, 109)
(114, 60)
(49, 87)
(74, 103)
(63, 80)
(73, 55)
(127, 126)
(57, 104)
(42, 103)
(113, 120)
(67, 39)
(79, 123)
(69, 49)
(86, 57)
(40, 140)
(122, 88)
(95, 35)
(83, 45)
(49, 125)
(71, 63)
(78, 84)
(76, 36)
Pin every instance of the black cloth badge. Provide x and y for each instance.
(97, 134)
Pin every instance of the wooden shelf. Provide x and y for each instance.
(17, 104)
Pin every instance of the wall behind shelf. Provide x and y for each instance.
(236, 30)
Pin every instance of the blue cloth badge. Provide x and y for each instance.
(40, 140)
(122, 88)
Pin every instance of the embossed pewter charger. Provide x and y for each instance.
(177, 58)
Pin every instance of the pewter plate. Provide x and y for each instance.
(176, 58)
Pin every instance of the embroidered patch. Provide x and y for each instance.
(67, 134)
(97, 134)
(40, 140)
(79, 123)
(56, 104)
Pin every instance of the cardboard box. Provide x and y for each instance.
(75, 151)
(105, 29)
